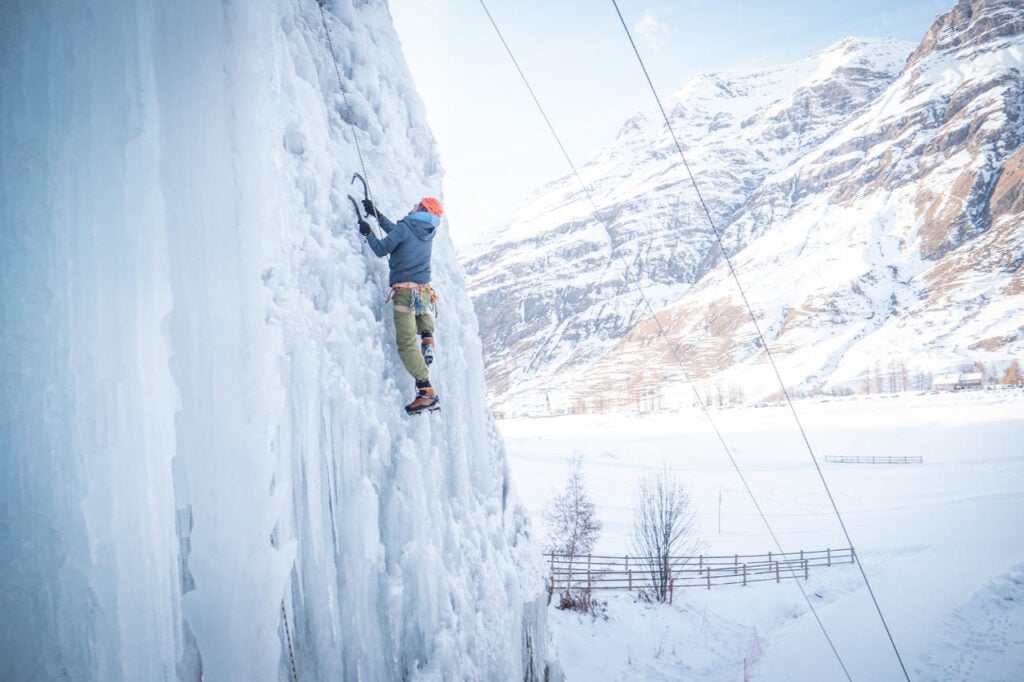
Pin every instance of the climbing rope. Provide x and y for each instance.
(664, 336)
(344, 95)
(288, 636)
(764, 342)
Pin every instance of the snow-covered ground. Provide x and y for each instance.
(941, 542)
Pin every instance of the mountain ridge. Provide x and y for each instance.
(876, 142)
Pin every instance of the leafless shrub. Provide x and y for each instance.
(571, 519)
(663, 528)
(583, 602)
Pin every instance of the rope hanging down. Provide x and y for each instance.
(344, 95)
(764, 342)
(663, 334)
(288, 636)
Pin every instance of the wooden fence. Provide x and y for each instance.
(593, 572)
(874, 460)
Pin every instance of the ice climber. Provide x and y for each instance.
(409, 242)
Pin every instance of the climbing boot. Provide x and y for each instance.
(427, 347)
(426, 400)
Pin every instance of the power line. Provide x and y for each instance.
(764, 342)
(661, 329)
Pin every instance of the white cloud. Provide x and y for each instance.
(652, 32)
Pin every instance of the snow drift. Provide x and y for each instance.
(205, 469)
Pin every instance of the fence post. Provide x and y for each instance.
(829, 551)
(776, 571)
(709, 577)
(851, 555)
(769, 559)
(744, 575)
(630, 580)
(701, 559)
(671, 590)
(589, 584)
(666, 576)
(735, 564)
(805, 569)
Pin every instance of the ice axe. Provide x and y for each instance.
(366, 191)
(355, 205)
(360, 178)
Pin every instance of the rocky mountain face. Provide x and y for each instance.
(870, 199)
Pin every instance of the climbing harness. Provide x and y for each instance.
(424, 300)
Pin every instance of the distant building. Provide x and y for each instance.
(971, 380)
(958, 382)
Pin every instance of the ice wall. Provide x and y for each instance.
(204, 465)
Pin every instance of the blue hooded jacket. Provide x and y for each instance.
(409, 242)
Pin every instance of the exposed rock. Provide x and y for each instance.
(879, 199)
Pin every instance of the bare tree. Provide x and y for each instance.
(571, 518)
(1012, 375)
(663, 527)
(904, 374)
(867, 381)
(879, 377)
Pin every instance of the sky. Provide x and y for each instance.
(493, 143)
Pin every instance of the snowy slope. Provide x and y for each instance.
(552, 294)
(871, 203)
(899, 240)
(939, 539)
(204, 465)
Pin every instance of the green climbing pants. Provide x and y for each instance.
(408, 327)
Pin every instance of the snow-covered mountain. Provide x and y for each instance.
(870, 197)
(205, 469)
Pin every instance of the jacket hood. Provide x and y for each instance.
(422, 224)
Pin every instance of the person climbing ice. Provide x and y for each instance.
(408, 242)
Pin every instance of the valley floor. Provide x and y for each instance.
(942, 542)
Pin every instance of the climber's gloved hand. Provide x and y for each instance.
(369, 208)
(364, 228)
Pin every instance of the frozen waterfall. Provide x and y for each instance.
(205, 468)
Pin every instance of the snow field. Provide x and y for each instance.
(939, 541)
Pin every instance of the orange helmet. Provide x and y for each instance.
(432, 206)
